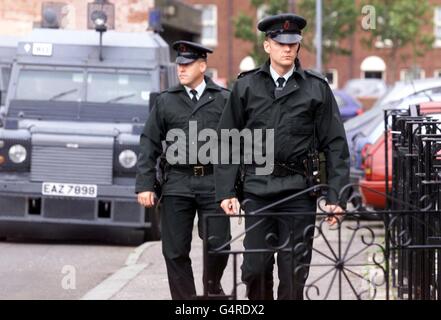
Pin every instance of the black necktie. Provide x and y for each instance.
(280, 83)
(194, 93)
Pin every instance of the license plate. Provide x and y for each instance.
(69, 190)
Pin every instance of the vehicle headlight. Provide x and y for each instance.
(17, 153)
(127, 159)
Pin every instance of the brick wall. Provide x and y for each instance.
(17, 17)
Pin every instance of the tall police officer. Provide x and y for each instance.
(188, 188)
(300, 107)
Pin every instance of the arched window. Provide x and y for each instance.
(373, 67)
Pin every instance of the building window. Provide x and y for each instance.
(437, 26)
(261, 13)
(209, 24)
(373, 67)
(332, 76)
(437, 73)
(373, 75)
(412, 74)
(383, 44)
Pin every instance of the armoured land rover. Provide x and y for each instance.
(69, 144)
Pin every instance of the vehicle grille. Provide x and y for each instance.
(72, 159)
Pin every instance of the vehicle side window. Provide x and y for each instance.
(5, 73)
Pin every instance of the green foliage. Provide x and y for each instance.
(401, 23)
(246, 26)
(339, 23)
(340, 17)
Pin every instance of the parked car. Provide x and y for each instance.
(368, 91)
(373, 185)
(348, 105)
(364, 124)
(372, 132)
(400, 91)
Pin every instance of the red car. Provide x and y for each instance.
(373, 185)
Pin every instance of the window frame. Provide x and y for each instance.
(334, 84)
(404, 71)
(210, 42)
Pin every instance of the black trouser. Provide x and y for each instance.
(289, 234)
(177, 221)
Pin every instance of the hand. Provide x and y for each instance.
(231, 206)
(335, 214)
(147, 199)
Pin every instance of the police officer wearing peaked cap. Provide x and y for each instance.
(188, 187)
(299, 105)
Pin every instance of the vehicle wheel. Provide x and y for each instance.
(154, 232)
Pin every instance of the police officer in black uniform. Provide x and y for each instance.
(188, 186)
(299, 105)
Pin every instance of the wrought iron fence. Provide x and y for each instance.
(395, 256)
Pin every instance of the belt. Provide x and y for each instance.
(197, 171)
(283, 169)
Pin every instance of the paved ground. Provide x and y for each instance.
(80, 271)
(152, 282)
(55, 270)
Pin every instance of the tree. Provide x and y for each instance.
(245, 26)
(339, 23)
(399, 24)
(340, 17)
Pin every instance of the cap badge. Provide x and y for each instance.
(286, 25)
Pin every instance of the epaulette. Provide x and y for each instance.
(243, 74)
(316, 75)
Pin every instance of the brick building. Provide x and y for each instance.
(211, 22)
(362, 63)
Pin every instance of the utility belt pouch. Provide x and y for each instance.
(315, 167)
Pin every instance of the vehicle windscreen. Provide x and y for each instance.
(49, 85)
(79, 86)
(118, 88)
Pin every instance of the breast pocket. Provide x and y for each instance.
(302, 126)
